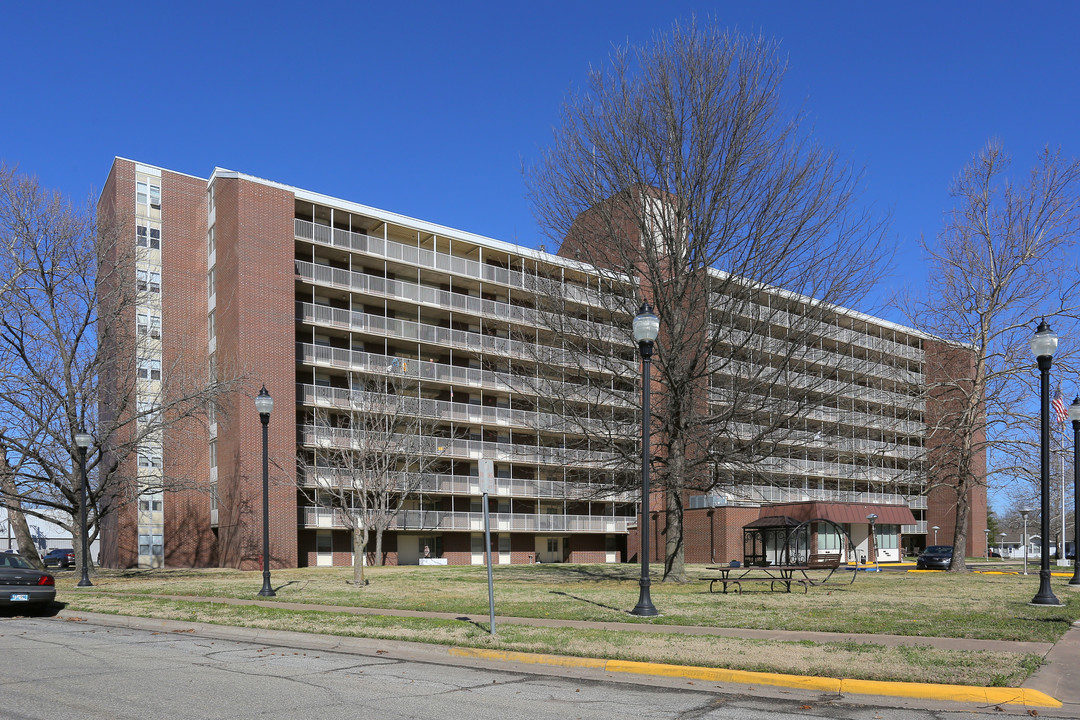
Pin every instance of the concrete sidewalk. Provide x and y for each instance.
(1054, 687)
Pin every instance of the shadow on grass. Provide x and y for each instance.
(586, 600)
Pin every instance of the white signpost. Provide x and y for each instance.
(487, 486)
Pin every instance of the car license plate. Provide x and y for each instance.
(20, 597)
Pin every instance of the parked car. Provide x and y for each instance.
(21, 584)
(935, 557)
(60, 557)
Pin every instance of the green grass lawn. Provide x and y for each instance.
(968, 605)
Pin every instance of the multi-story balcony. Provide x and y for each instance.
(460, 449)
(841, 335)
(446, 411)
(813, 469)
(432, 520)
(410, 330)
(374, 286)
(832, 416)
(809, 355)
(455, 375)
(444, 262)
(736, 369)
(469, 485)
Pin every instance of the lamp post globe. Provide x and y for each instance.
(1074, 416)
(264, 404)
(83, 440)
(1043, 345)
(646, 327)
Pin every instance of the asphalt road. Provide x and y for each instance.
(59, 669)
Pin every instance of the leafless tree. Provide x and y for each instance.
(368, 449)
(1005, 258)
(68, 336)
(679, 169)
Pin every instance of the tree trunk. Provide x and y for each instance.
(17, 519)
(963, 516)
(674, 550)
(378, 544)
(359, 546)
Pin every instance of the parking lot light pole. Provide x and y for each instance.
(1043, 345)
(646, 328)
(264, 404)
(82, 441)
(1074, 415)
(935, 529)
(987, 531)
(872, 549)
(1024, 512)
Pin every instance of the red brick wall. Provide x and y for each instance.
(256, 334)
(116, 207)
(189, 538)
(943, 362)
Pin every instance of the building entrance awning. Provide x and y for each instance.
(843, 512)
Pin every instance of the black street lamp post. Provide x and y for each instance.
(264, 404)
(646, 328)
(1043, 345)
(1074, 415)
(987, 531)
(82, 441)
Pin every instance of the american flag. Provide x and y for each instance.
(1061, 413)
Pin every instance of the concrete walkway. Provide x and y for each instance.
(1054, 688)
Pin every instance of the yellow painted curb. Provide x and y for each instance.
(925, 691)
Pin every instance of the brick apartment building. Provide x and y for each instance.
(329, 303)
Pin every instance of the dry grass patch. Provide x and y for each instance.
(851, 660)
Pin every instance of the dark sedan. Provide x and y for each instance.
(935, 557)
(21, 584)
(60, 557)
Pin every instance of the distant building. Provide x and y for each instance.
(315, 296)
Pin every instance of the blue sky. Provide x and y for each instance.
(430, 109)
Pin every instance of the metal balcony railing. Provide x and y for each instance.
(410, 330)
(447, 411)
(444, 262)
(451, 448)
(469, 485)
(431, 520)
(458, 302)
(357, 361)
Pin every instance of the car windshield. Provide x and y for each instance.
(939, 550)
(14, 561)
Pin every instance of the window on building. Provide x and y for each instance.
(211, 412)
(142, 192)
(553, 545)
(148, 281)
(211, 242)
(148, 411)
(828, 539)
(887, 537)
(155, 197)
(148, 324)
(213, 453)
(148, 236)
(211, 330)
(211, 282)
(210, 199)
(149, 369)
(150, 458)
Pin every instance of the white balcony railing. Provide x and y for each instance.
(357, 361)
(444, 262)
(432, 520)
(442, 484)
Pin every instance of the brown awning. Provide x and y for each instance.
(841, 512)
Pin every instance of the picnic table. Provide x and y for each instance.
(782, 576)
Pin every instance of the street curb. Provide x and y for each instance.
(925, 691)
